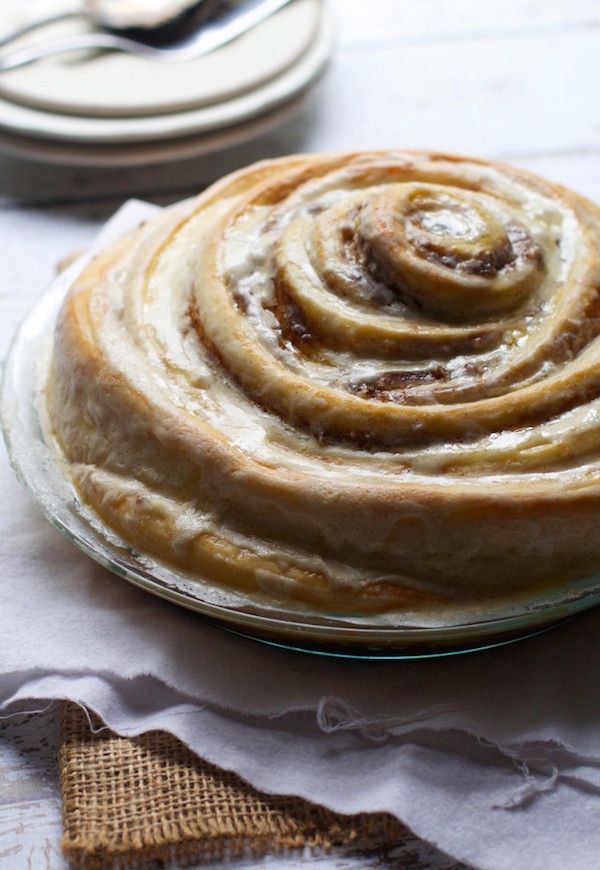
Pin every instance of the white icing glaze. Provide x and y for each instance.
(194, 301)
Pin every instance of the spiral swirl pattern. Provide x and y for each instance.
(363, 380)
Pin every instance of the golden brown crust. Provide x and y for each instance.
(361, 380)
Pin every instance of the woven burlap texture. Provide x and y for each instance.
(130, 801)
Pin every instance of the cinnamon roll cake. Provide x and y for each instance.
(365, 381)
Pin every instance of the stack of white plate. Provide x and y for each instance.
(114, 109)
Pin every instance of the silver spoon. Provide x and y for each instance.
(233, 20)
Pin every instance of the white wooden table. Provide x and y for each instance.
(516, 79)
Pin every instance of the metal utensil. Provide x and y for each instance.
(145, 14)
(233, 20)
(116, 16)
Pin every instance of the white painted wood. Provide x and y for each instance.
(489, 96)
(402, 21)
(32, 244)
(30, 822)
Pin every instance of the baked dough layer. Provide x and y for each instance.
(365, 381)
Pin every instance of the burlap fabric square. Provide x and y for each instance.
(128, 802)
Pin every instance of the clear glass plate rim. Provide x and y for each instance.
(536, 614)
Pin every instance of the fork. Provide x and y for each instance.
(234, 21)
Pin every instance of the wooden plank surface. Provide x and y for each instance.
(383, 21)
(518, 80)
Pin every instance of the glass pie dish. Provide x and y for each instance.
(447, 630)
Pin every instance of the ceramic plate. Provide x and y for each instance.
(112, 84)
(32, 123)
(146, 153)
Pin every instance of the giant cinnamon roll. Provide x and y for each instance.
(365, 381)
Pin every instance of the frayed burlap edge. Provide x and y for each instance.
(130, 801)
